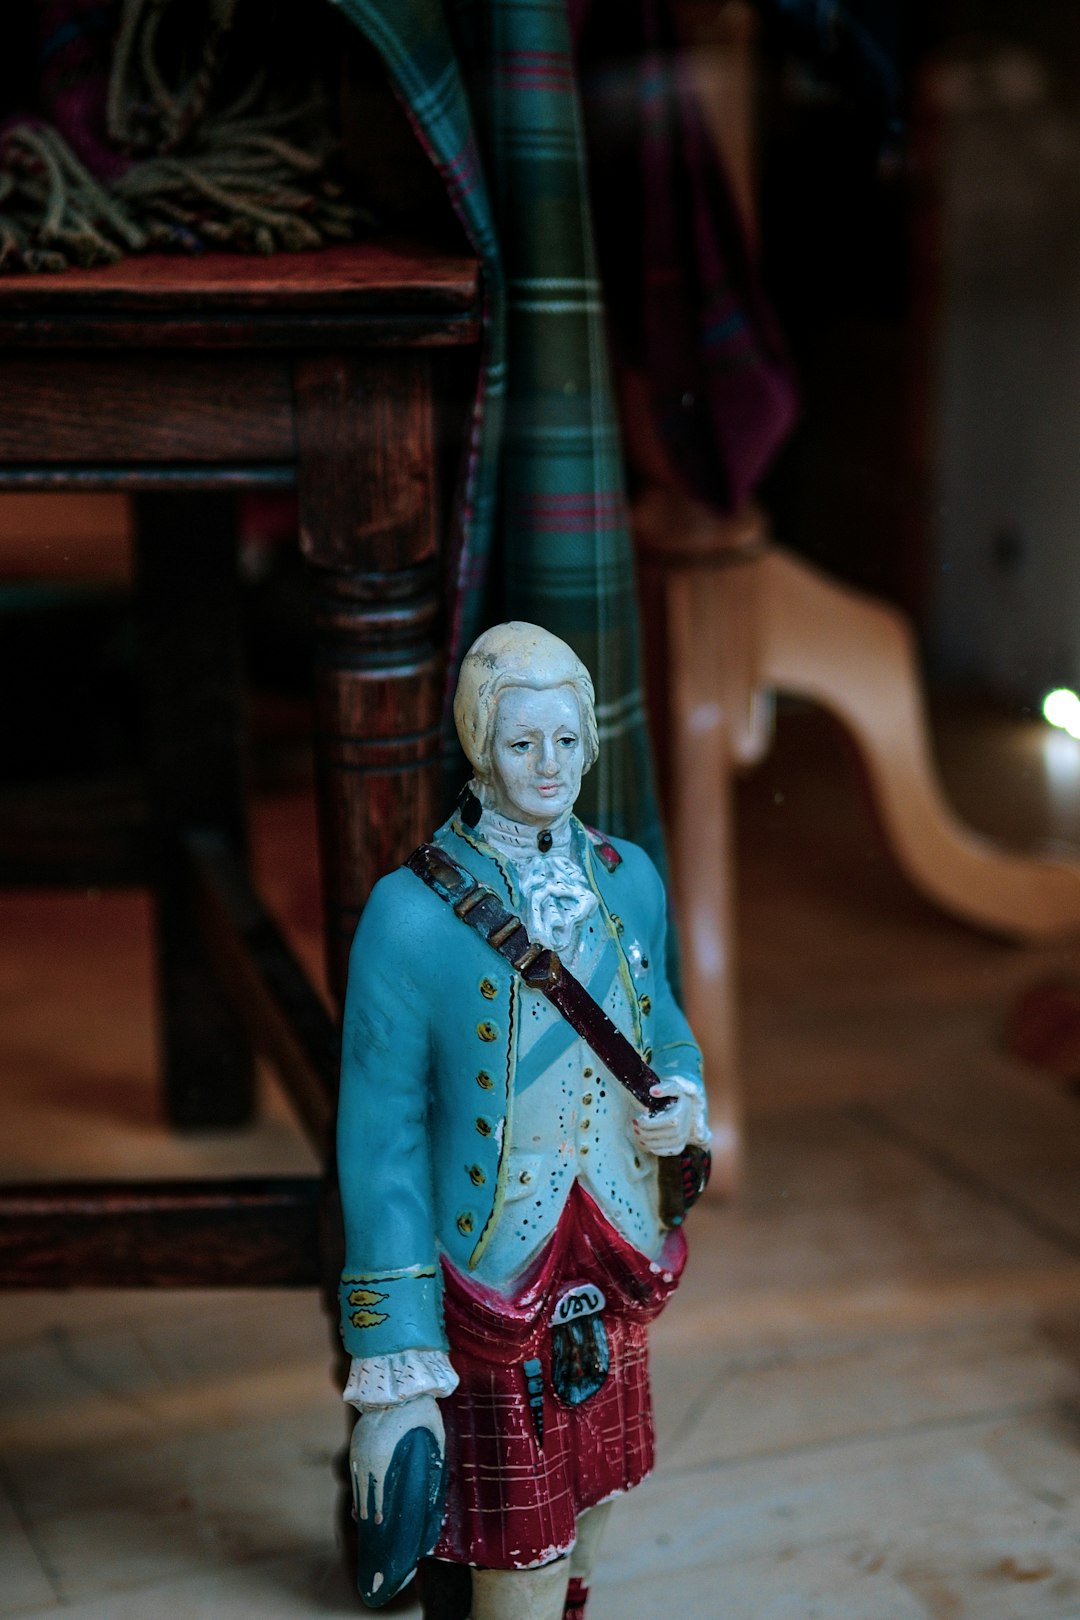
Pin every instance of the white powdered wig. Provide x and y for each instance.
(517, 654)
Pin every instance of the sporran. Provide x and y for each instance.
(580, 1356)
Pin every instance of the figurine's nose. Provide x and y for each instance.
(549, 763)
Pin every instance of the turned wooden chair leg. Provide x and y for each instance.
(713, 719)
(369, 530)
(703, 862)
(856, 658)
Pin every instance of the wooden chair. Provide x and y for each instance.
(742, 620)
(184, 382)
(737, 619)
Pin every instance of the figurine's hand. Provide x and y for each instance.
(668, 1132)
(374, 1438)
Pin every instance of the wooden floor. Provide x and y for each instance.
(868, 1388)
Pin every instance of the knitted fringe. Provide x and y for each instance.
(251, 176)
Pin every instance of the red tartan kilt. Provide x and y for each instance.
(514, 1503)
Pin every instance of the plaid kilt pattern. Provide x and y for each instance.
(513, 1503)
(490, 88)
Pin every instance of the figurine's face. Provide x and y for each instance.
(536, 756)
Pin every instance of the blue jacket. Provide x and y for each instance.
(429, 1069)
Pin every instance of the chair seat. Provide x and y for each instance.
(374, 291)
(185, 380)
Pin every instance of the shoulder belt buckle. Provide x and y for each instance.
(539, 967)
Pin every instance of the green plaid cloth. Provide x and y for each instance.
(489, 86)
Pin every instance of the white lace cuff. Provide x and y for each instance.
(379, 1381)
(700, 1134)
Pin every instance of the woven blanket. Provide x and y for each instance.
(491, 91)
(134, 124)
(689, 320)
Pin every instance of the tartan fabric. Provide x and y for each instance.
(75, 40)
(512, 1502)
(491, 90)
(688, 313)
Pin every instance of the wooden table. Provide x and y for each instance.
(185, 382)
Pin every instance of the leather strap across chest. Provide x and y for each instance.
(539, 966)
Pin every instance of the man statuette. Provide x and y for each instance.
(507, 1234)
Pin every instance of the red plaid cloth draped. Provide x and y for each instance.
(512, 1502)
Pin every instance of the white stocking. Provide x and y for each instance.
(539, 1594)
(520, 1594)
(590, 1528)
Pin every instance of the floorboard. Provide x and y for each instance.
(867, 1389)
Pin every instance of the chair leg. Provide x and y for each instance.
(187, 596)
(369, 529)
(855, 657)
(701, 751)
(711, 718)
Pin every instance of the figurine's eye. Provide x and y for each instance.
(567, 742)
(521, 747)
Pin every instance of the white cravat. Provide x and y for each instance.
(553, 885)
